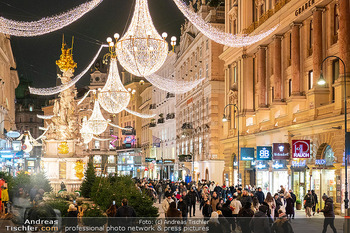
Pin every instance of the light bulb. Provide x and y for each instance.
(129, 89)
(148, 33)
(133, 91)
(173, 38)
(151, 48)
(111, 44)
(131, 34)
(116, 36)
(135, 48)
(165, 35)
(109, 40)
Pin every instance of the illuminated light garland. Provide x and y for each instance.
(97, 123)
(141, 51)
(113, 97)
(145, 116)
(84, 97)
(48, 117)
(216, 34)
(173, 85)
(119, 127)
(63, 87)
(42, 128)
(101, 139)
(46, 24)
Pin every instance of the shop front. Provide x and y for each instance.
(129, 164)
(263, 176)
(300, 178)
(280, 175)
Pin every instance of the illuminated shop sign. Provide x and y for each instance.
(320, 162)
(278, 165)
(281, 151)
(149, 160)
(261, 166)
(247, 153)
(300, 149)
(301, 163)
(263, 153)
(304, 7)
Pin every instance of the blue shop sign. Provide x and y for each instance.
(264, 153)
(247, 153)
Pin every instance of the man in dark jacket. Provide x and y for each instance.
(308, 203)
(328, 212)
(292, 195)
(182, 206)
(245, 198)
(260, 222)
(260, 195)
(314, 195)
(125, 214)
(192, 198)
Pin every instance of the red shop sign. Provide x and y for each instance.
(300, 149)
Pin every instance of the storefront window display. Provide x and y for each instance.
(280, 175)
(129, 164)
(263, 176)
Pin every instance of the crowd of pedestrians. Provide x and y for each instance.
(228, 209)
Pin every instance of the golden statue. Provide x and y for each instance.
(66, 61)
(79, 169)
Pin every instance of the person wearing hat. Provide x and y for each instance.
(281, 225)
(328, 212)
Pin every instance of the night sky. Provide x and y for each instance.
(36, 56)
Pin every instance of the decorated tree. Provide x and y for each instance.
(89, 180)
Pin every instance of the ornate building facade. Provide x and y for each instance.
(198, 121)
(274, 85)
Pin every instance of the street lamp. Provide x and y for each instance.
(225, 119)
(321, 81)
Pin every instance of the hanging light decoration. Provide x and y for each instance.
(85, 132)
(141, 51)
(113, 97)
(96, 123)
(47, 24)
(216, 34)
(172, 85)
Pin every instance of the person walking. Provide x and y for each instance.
(314, 195)
(289, 206)
(166, 204)
(256, 204)
(260, 195)
(173, 214)
(235, 206)
(192, 198)
(207, 210)
(182, 206)
(160, 193)
(112, 223)
(278, 204)
(244, 217)
(125, 210)
(214, 201)
(260, 222)
(308, 203)
(282, 225)
(328, 213)
(5, 197)
(272, 204)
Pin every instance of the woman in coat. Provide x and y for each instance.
(289, 206)
(272, 204)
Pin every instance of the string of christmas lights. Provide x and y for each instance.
(63, 87)
(46, 24)
(145, 116)
(48, 117)
(173, 85)
(118, 127)
(102, 139)
(216, 34)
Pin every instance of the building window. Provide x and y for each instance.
(335, 76)
(62, 170)
(336, 20)
(30, 120)
(30, 108)
(207, 106)
(262, 9)
(290, 48)
(97, 144)
(111, 159)
(97, 159)
(235, 74)
(310, 36)
(311, 79)
(290, 88)
(207, 45)
(207, 70)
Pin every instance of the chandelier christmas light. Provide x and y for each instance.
(141, 51)
(96, 123)
(113, 97)
(216, 34)
(173, 85)
(85, 132)
(47, 24)
(63, 87)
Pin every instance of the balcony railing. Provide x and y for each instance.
(187, 126)
(160, 121)
(152, 124)
(152, 106)
(264, 17)
(170, 95)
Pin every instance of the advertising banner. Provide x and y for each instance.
(264, 153)
(301, 149)
(281, 151)
(247, 153)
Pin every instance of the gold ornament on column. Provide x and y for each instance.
(66, 61)
(63, 148)
(79, 169)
